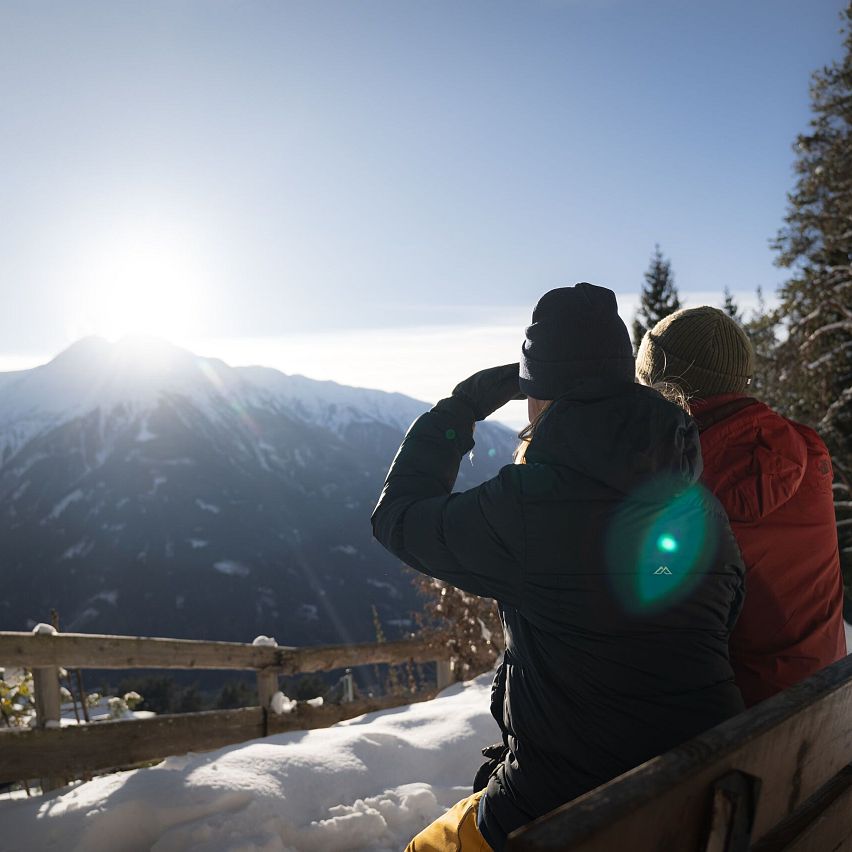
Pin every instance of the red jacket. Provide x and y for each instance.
(773, 477)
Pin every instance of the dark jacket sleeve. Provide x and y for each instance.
(472, 539)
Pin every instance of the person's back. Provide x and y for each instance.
(630, 580)
(617, 574)
(773, 476)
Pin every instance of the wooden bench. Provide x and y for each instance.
(778, 776)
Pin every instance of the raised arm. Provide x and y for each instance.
(471, 539)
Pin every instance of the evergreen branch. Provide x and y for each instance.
(837, 406)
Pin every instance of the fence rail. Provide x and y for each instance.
(55, 754)
(104, 651)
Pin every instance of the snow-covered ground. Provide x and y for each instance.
(369, 783)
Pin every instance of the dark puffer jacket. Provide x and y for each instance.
(617, 576)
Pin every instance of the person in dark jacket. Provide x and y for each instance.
(616, 573)
(773, 476)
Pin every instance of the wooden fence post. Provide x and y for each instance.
(444, 673)
(47, 703)
(267, 686)
(348, 687)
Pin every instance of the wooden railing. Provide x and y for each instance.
(55, 754)
(777, 777)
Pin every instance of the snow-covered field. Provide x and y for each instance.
(369, 783)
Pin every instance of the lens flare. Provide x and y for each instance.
(656, 549)
(213, 377)
(667, 543)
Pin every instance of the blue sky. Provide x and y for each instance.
(227, 170)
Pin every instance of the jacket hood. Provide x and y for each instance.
(754, 459)
(625, 436)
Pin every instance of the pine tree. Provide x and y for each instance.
(658, 298)
(816, 244)
(762, 330)
(730, 307)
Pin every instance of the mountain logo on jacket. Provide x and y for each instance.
(663, 569)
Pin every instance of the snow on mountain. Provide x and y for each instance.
(218, 502)
(369, 783)
(94, 374)
(330, 404)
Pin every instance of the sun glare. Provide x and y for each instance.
(140, 284)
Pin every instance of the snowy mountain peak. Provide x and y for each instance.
(139, 354)
(138, 372)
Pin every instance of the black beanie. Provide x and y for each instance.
(576, 333)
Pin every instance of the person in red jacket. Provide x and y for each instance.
(773, 476)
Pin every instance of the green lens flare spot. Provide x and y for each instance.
(450, 434)
(667, 543)
(492, 452)
(655, 546)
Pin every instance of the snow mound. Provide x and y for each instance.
(281, 704)
(369, 783)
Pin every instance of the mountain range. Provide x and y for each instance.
(146, 490)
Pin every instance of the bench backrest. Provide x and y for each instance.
(773, 776)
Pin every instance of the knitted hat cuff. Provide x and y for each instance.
(655, 364)
(549, 379)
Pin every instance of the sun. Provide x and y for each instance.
(141, 282)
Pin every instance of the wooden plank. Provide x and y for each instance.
(102, 651)
(735, 797)
(832, 830)
(823, 821)
(267, 686)
(48, 705)
(323, 658)
(794, 742)
(444, 673)
(81, 650)
(79, 750)
(48, 699)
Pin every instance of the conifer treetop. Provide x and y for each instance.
(658, 298)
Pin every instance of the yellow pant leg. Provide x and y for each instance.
(454, 831)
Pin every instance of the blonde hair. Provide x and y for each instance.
(526, 435)
(673, 393)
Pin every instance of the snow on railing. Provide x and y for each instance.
(55, 753)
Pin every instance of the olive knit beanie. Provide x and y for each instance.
(576, 333)
(702, 350)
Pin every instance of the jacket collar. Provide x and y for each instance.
(715, 409)
(623, 435)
